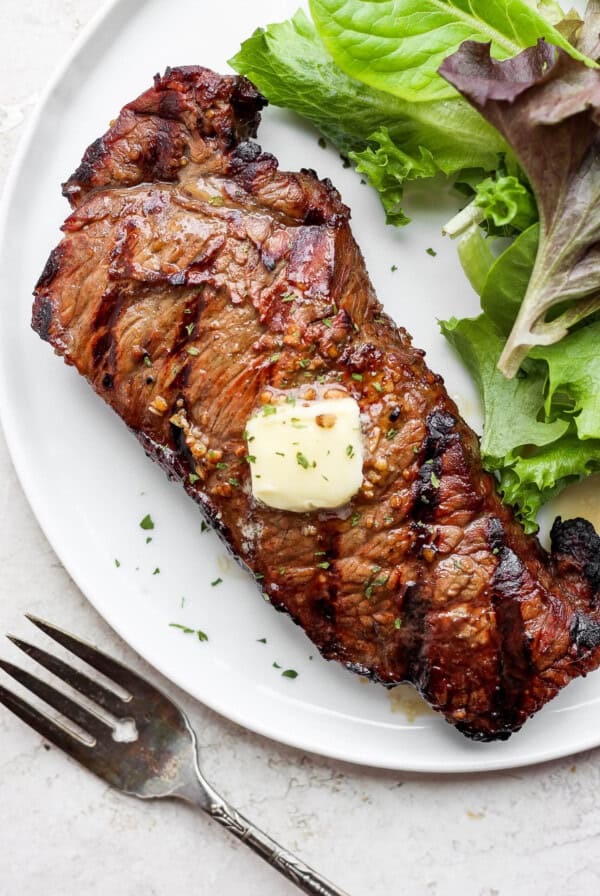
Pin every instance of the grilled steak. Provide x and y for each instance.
(171, 292)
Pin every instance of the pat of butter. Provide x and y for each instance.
(307, 455)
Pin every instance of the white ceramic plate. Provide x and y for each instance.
(90, 484)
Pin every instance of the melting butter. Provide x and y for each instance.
(306, 455)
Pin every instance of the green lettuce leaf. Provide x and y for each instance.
(574, 379)
(519, 400)
(290, 65)
(398, 45)
(388, 168)
(507, 204)
(542, 428)
(508, 278)
(392, 141)
(533, 480)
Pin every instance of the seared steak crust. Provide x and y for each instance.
(195, 280)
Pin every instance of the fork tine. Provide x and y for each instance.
(86, 686)
(121, 675)
(67, 707)
(48, 729)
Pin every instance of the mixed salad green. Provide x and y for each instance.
(502, 96)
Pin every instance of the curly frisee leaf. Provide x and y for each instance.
(547, 106)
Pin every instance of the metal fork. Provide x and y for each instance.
(148, 750)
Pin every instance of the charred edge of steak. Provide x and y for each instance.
(578, 541)
(41, 319)
(440, 430)
(585, 633)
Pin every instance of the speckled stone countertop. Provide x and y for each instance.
(62, 831)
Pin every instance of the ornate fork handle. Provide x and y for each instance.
(287, 864)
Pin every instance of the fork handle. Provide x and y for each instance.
(305, 878)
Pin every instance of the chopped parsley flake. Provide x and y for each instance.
(435, 480)
(378, 386)
(156, 571)
(394, 268)
(275, 357)
(261, 640)
(289, 673)
(191, 350)
(282, 570)
(193, 477)
(288, 297)
(251, 458)
(391, 433)
(322, 142)
(147, 361)
(324, 565)
(304, 362)
(117, 563)
(397, 622)
(327, 322)
(431, 252)
(234, 482)
(258, 575)
(280, 453)
(202, 636)
(350, 451)
(290, 400)
(216, 582)
(357, 377)
(216, 200)
(190, 328)
(148, 539)
(147, 522)
(354, 519)
(379, 582)
(222, 465)
(276, 666)
(302, 460)
(268, 410)
(204, 527)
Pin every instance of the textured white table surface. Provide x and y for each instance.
(62, 831)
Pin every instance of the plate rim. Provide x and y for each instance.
(473, 765)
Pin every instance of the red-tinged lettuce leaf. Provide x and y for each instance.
(547, 106)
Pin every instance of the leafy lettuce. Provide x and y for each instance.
(397, 46)
(542, 428)
(393, 136)
(547, 105)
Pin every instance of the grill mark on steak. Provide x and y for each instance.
(176, 210)
(440, 426)
(514, 655)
